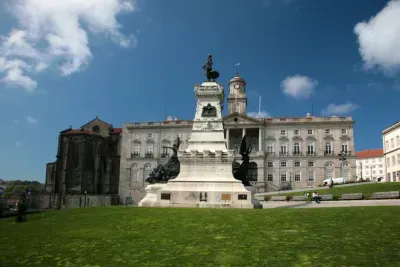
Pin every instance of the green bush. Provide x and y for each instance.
(288, 198)
(335, 198)
(266, 198)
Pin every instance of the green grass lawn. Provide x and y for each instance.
(366, 189)
(125, 236)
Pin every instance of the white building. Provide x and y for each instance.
(287, 152)
(370, 164)
(391, 149)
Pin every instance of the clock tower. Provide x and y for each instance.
(237, 99)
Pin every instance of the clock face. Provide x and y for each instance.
(237, 86)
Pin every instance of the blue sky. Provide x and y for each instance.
(123, 60)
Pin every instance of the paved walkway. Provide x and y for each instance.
(329, 204)
(261, 195)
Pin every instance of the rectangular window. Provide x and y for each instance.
(296, 149)
(270, 164)
(270, 177)
(393, 161)
(283, 150)
(309, 131)
(310, 149)
(150, 135)
(310, 164)
(328, 148)
(136, 150)
(270, 148)
(283, 132)
(388, 177)
(297, 177)
(387, 145)
(391, 143)
(397, 140)
(283, 164)
(388, 162)
(283, 177)
(398, 159)
(327, 131)
(329, 174)
(311, 176)
(296, 132)
(297, 163)
(394, 176)
(344, 131)
(345, 148)
(150, 149)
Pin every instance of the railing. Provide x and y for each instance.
(270, 154)
(311, 153)
(164, 155)
(329, 153)
(135, 155)
(297, 153)
(283, 153)
(148, 155)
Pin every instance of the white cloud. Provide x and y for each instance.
(341, 109)
(262, 114)
(298, 86)
(18, 144)
(379, 39)
(30, 120)
(56, 32)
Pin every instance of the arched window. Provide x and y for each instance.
(133, 174)
(252, 172)
(346, 170)
(329, 170)
(147, 171)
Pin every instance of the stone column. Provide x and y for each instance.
(243, 132)
(260, 139)
(227, 138)
(96, 168)
(80, 163)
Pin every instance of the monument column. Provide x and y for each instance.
(227, 138)
(260, 139)
(243, 132)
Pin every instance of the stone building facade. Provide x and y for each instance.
(370, 165)
(391, 152)
(88, 161)
(287, 152)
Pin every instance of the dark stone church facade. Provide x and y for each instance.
(88, 163)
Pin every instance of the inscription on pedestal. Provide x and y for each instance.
(165, 196)
(242, 197)
(226, 197)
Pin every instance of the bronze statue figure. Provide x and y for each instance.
(164, 173)
(175, 147)
(241, 172)
(209, 72)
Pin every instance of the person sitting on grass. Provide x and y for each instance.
(316, 198)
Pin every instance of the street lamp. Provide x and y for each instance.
(342, 158)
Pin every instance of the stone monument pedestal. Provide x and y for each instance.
(205, 178)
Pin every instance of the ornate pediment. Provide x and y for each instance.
(311, 138)
(297, 138)
(237, 118)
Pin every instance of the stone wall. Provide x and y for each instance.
(52, 201)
